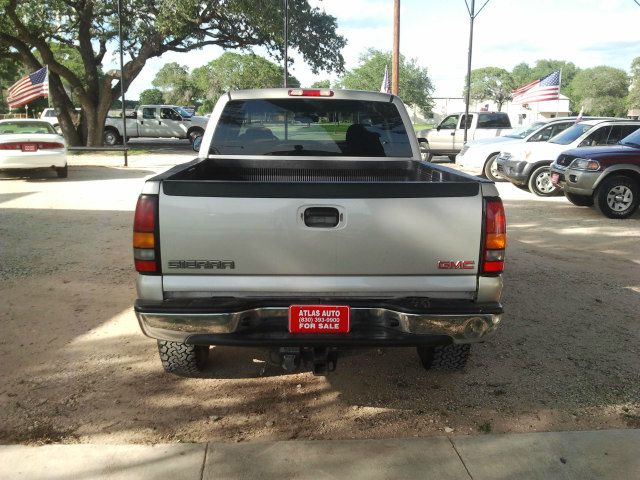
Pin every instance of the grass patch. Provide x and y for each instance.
(485, 427)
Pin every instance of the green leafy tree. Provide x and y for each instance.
(175, 84)
(601, 90)
(151, 96)
(634, 92)
(9, 74)
(415, 86)
(491, 83)
(521, 75)
(321, 84)
(234, 71)
(29, 28)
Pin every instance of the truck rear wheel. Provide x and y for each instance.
(111, 137)
(444, 357)
(183, 359)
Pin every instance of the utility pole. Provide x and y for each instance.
(472, 17)
(124, 112)
(286, 43)
(395, 57)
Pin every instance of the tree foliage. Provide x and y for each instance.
(175, 84)
(415, 86)
(601, 90)
(29, 28)
(491, 83)
(634, 91)
(321, 84)
(151, 96)
(234, 71)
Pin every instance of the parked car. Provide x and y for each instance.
(607, 176)
(49, 115)
(156, 121)
(307, 239)
(527, 164)
(32, 144)
(448, 137)
(478, 157)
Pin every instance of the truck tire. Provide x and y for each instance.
(540, 182)
(63, 172)
(445, 357)
(196, 132)
(617, 196)
(183, 359)
(111, 137)
(579, 200)
(490, 170)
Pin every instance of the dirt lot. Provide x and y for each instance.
(75, 367)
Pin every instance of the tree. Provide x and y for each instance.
(633, 100)
(521, 75)
(234, 71)
(9, 74)
(151, 96)
(601, 90)
(491, 83)
(174, 83)
(415, 86)
(321, 84)
(29, 28)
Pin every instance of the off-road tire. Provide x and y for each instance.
(111, 137)
(579, 200)
(487, 169)
(538, 182)
(183, 359)
(444, 357)
(628, 189)
(63, 172)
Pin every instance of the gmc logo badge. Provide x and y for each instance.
(459, 265)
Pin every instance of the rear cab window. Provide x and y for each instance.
(493, 120)
(310, 127)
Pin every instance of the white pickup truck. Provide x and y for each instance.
(156, 121)
(308, 224)
(448, 137)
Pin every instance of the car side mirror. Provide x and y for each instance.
(197, 142)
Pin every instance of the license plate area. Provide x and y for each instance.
(319, 319)
(29, 147)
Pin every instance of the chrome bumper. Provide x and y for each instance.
(460, 328)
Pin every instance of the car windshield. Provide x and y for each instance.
(571, 134)
(311, 126)
(183, 113)
(632, 140)
(525, 131)
(7, 128)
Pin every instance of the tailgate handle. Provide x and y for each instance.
(321, 217)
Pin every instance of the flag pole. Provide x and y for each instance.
(559, 86)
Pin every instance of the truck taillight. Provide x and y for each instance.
(495, 237)
(310, 92)
(146, 254)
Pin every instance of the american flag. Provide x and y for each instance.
(28, 88)
(386, 85)
(545, 88)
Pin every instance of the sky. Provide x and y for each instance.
(436, 33)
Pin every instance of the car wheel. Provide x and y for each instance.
(540, 182)
(491, 169)
(444, 357)
(193, 134)
(579, 200)
(617, 197)
(63, 172)
(111, 137)
(183, 359)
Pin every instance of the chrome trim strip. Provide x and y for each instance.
(462, 328)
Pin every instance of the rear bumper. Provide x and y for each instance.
(265, 322)
(41, 159)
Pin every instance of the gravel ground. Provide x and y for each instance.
(75, 367)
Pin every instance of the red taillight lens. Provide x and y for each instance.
(11, 146)
(310, 92)
(50, 145)
(495, 239)
(145, 232)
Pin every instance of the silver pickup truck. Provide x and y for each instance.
(309, 224)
